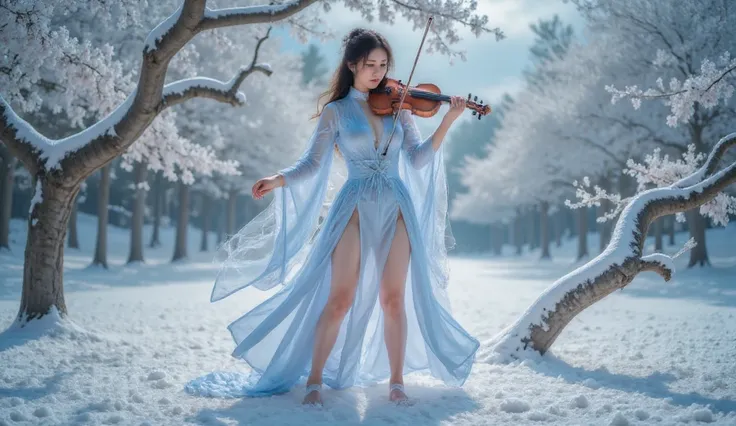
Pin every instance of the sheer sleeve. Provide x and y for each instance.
(323, 139)
(423, 172)
(271, 248)
(419, 151)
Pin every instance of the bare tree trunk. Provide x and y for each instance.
(559, 221)
(73, 239)
(497, 232)
(544, 228)
(582, 232)
(205, 222)
(671, 229)
(180, 247)
(518, 234)
(103, 200)
(528, 228)
(571, 218)
(43, 287)
(139, 205)
(7, 174)
(696, 224)
(531, 228)
(230, 220)
(158, 201)
(220, 226)
(658, 231)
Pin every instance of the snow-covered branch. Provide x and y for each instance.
(659, 172)
(225, 92)
(229, 17)
(109, 137)
(712, 85)
(594, 199)
(613, 269)
(461, 15)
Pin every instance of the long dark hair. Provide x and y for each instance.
(356, 46)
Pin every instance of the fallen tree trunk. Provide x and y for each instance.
(536, 330)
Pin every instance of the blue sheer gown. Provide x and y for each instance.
(291, 243)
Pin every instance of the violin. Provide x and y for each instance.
(423, 100)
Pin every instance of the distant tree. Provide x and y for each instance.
(314, 67)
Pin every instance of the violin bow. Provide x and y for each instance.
(408, 83)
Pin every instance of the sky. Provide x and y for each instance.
(491, 68)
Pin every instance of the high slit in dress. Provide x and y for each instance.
(291, 243)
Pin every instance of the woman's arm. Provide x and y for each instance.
(421, 151)
(321, 141)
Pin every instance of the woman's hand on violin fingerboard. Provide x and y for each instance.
(457, 106)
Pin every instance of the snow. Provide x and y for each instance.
(247, 10)
(53, 151)
(179, 87)
(161, 29)
(37, 196)
(665, 260)
(654, 353)
(698, 175)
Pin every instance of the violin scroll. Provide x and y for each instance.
(478, 108)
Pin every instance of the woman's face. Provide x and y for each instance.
(370, 72)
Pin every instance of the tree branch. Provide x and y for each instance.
(99, 144)
(220, 18)
(226, 92)
(659, 263)
(496, 31)
(632, 124)
(14, 132)
(711, 163)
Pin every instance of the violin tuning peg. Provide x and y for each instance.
(475, 99)
(475, 112)
(479, 116)
(469, 95)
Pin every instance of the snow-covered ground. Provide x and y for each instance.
(654, 353)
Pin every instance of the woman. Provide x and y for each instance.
(382, 239)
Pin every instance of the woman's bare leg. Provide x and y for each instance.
(393, 285)
(345, 270)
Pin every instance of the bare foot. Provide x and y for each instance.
(313, 396)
